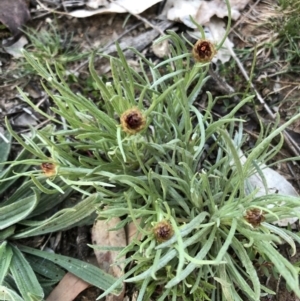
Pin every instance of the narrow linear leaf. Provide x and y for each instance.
(12, 170)
(237, 278)
(227, 243)
(281, 233)
(185, 230)
(248, 264)
(191, 266)
(284, 267)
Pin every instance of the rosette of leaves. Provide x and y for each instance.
(26, 273)
(183, 168)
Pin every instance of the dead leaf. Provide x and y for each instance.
(94, 4)
(14, 14)
(161, 49)
(181, 10)
(201, 11)
(107, 260)
(218, 8)
(276, 183)
(15, 49)
(118, 6)
(68, 288)
(132, 232)
(206, 13)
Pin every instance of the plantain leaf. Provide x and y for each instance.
(63, 221)
(5, 255)
(24, 276)
(8, 294)
(81, 269)
(45, 268)
(7, 232)
(11, 214)
(49, 201)
(23, 191)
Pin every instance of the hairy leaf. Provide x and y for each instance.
(25, 277)
(13, 213)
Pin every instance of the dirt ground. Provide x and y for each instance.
(102, 31)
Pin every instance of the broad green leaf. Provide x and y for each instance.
(7, 232)
(25, 277)
(8, 294)
(67, 219)
(81, 269)
(17, 211)
(49, 201)
(45, 268)
(20, 193)
(5, 255)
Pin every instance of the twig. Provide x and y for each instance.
(50, 10)
(290, 143)
(259, 97)
(141, 19)
(109, 44)
(245, 15)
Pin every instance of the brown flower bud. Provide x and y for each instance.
(254, 217)
(204, 51)
(163, 231)
(49, 169)
(133, 121)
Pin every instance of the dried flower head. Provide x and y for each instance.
(133, 121)
(204, 51)
(163, 231)
(49, 169)
(254, 217)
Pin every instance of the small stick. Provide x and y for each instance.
(259, 97)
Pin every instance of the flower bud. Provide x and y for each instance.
(254, 217)
(204, 51)
(163, 231)
(133, 121)
(49, 169)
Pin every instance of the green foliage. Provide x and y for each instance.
(4, 148)
(26, 212)
(55, 47)
(288, 25)
(184, 167)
